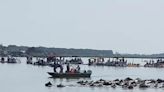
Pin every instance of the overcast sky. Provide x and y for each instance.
(125, 26)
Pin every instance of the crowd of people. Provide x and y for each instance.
(9, 60)
(69, 69)
(72, 70)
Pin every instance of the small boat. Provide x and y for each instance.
(41, 62)
(159, 63)
(71, 75)
(96, 61)
(117, 62)
(75, 60)
(133, 65)
(12, 60)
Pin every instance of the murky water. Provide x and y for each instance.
(28, 78)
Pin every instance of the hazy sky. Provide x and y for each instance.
(126, 26)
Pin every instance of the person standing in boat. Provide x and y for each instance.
(78, 68)
(61, 69)
(56, 66)
(68, 68)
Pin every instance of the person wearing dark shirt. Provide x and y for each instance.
(68, 68)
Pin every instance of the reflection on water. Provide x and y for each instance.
(28, 78)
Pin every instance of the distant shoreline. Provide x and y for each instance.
(24, 51)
